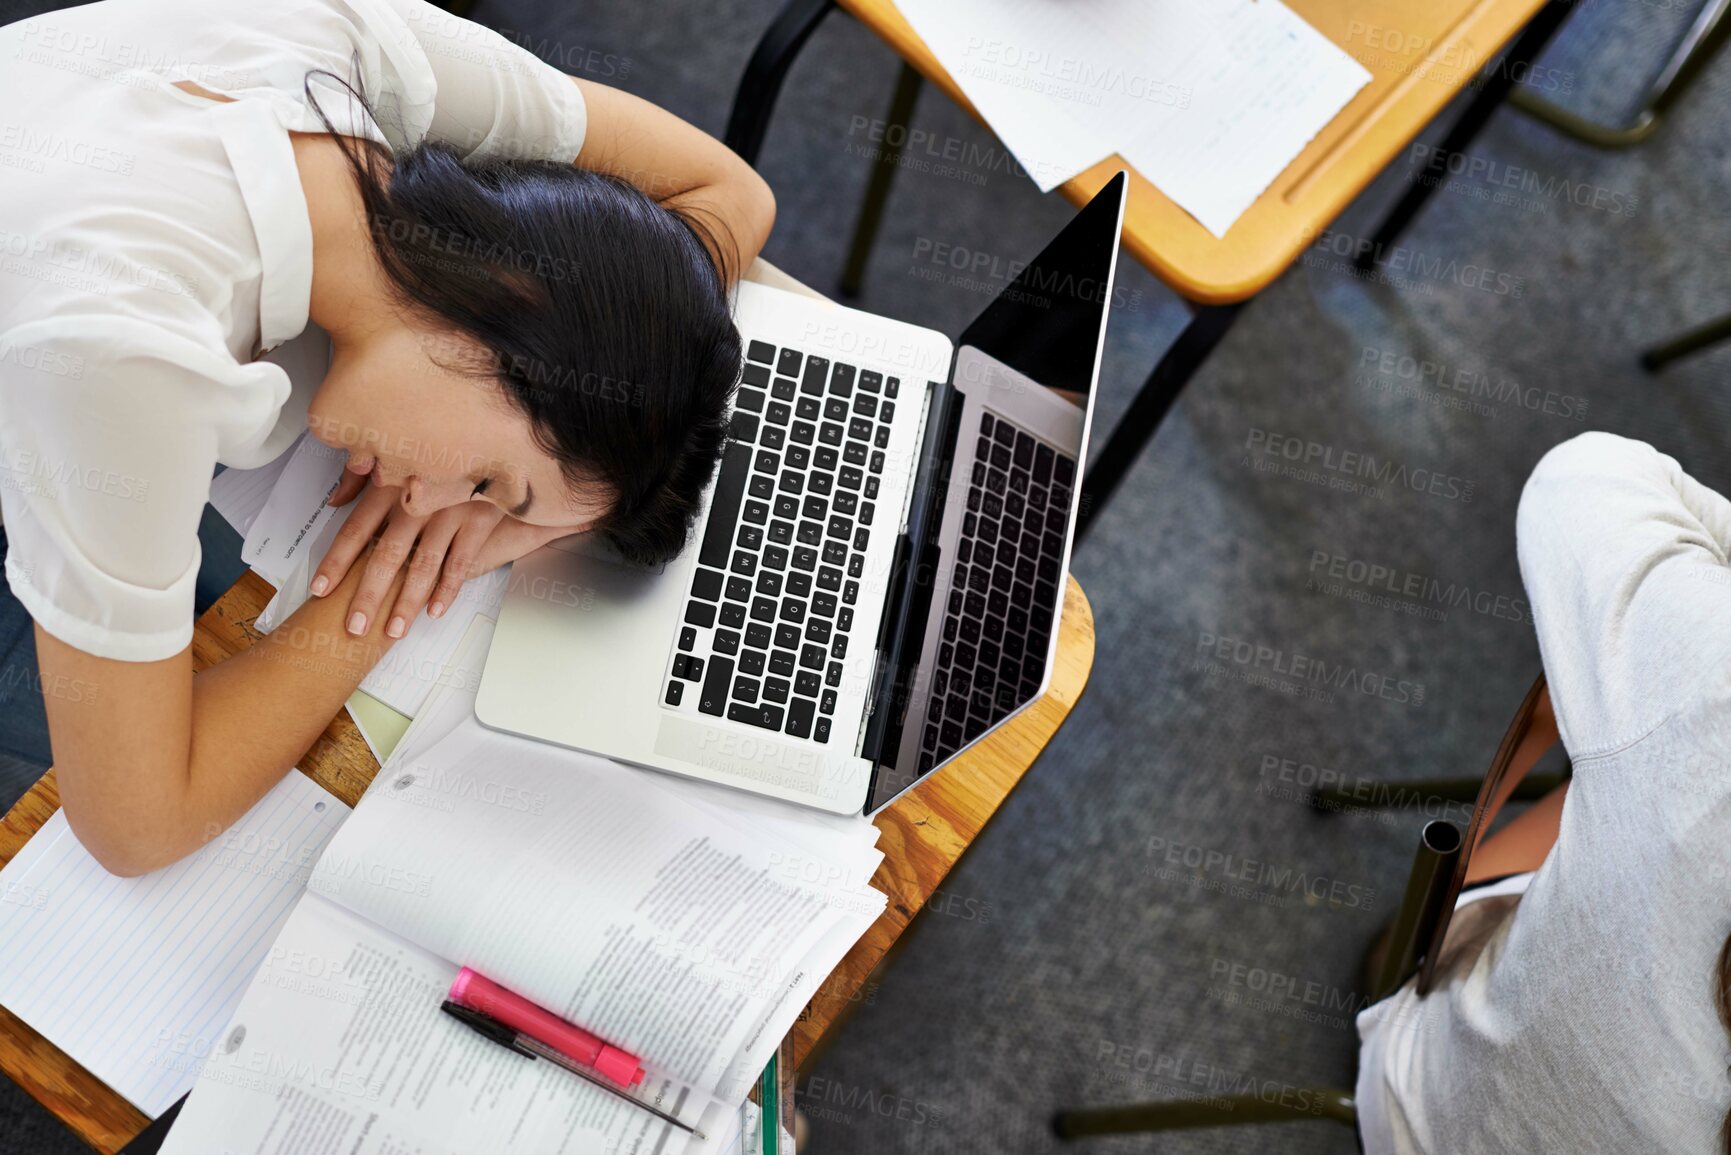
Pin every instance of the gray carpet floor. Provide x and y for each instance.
(1075, 958)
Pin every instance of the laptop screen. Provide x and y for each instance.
(1002, 500)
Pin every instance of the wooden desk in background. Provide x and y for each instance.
(922, 836)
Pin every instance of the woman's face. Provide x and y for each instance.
(414, 410)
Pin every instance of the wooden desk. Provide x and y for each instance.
(922, 836)
(1420, 54)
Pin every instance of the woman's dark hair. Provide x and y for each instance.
(604, 313)
(1722, 1002)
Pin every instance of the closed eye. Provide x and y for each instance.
(480, 488)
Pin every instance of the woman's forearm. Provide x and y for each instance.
(157, 762)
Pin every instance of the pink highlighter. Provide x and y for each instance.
(481, 994)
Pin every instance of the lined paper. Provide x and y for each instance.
(136, 978)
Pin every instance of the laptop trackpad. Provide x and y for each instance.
(826, 778)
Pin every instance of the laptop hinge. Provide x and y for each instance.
(907, 605)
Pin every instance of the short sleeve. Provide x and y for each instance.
(110, 431)
(1624, 556)
(493, 98)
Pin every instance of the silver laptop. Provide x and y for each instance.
(877, 579)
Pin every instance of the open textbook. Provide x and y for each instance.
(686, 924)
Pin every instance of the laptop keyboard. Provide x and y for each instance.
(1004, 591)
(770, 617)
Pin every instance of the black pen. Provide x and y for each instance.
(505, 1036)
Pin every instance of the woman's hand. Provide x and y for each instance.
(443, 550)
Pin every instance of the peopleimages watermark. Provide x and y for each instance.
(1446, 386)
(1405, 591)
(1301, 780)
(46, 43)
(32, 149)
(1276, 992)
(35, 475)
(1403, 266)
(930, 153)
(1253, 879)
(1350, 470)
(827, 1100)
(1296, 674)
(985, 272)
(1452, 62)
(1498, 182)
(1131, 1066)
(59, 261)
(1078, 79)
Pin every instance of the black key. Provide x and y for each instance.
(775, 689)
(1043, 463)
(799, 717)
(751, 662)
(799, 584)
(850, 593)
(871, 489)
(871, 382)
(808, 683)
(682, 667)
(840, 647)
(827, 705)
(803, 432)
(854, 454)
(840, 527)
(855, 566)
(816, 375)
(766, 462)
(858, 427)
(769, 584)
(750, 537)
(821, 732)
(860, 537)
(792, 610)
(833, 676)
(744, 563)
(778, 414)
(841, 380)
(893, 386)
(846, 503)
(781, 532)
(750, 400)
(760, 351)
(808, 409)
(781, 662)
(834, 552)
(762, 610)
(787, 636)
(783, 389)
(888, 412)
(850, 477)
(877, 465)
(830, 434)
(675, 690)
(798, 456)
(768, 717)
(726, 642)
(810, 532)
(700, 614)
(844, 620)
(1064, 471)
(836, 409)
(815, 508)
(757, 635)
(1004, 434)
(773, 437)
(743, 427)
(745, 689)
(756, 512)
(706, 584)
(820, 483)
(724, 508)
(761, 487)
(757, 375)
(788, 363)
(1000, 455)
(828, 578)
(826, 458)
(775, 558)
(882, 440)
(823, 605)
(787, 505)
(687, 638)
(733, 615)
(986, 424)
(713, 699)
(817, 630)
(811, 657)
(865, 513)
(804, 558)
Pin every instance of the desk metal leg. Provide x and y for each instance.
(1139, 423)
(889, 158)
(754, 100)
(1691, 342)
(1494, 86)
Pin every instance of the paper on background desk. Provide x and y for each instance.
(135, 978)
(1210, 100)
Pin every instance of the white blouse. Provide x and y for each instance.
(155, 245)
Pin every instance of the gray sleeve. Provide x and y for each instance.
(1625, 561)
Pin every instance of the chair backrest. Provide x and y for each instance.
(1450, 883)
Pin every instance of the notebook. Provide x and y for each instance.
(133, 977)
(684, 923)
